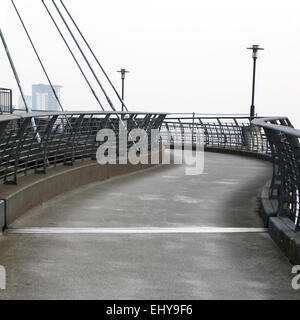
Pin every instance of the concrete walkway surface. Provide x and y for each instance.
(97, 242)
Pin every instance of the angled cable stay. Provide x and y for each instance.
(84, 56)
(93, 54)
(28, 109)
(37, 55)
(73, 55)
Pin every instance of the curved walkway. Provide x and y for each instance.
(157, 234)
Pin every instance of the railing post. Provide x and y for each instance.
(10, 101)
(193, 128)
(15, 156)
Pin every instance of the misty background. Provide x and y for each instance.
(183, 56)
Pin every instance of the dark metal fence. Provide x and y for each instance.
(5, 100)
(219, 132)
(33, 142)
(36, 141)
(274, 137)
(285, 148)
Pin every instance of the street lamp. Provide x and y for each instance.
(255, 49)
(123, 73)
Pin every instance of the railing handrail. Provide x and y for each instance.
(210, 117)
(211, 114)
(263, 122)
(24, 115)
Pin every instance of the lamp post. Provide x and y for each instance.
(123, 73)
(254, 49)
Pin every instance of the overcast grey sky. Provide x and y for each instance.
(184, 56)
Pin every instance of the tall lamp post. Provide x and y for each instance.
(123, 73)
(254, 49)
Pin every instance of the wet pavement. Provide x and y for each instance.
(156, 234)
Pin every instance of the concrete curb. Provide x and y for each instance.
(34, 189)
(287, 239)
(2, 215)
(239, 152)
(281, 229)
(268, 207)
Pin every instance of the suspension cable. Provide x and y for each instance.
(37, 55)
(92, 52)
(84, 56)
(71, 52)
(14, 72)
(28, 109)
(90, 67)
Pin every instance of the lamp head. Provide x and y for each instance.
(255, 48)
(123, 73)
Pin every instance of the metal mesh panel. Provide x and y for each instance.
(5, 101)
(34, 142)
(221, 132)
(285, 148)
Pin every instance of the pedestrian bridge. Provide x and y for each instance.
(73, 230)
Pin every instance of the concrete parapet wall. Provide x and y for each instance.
(35, 189)
(230, 150)
(268, 207)
(287, 239)
(281, 229)
(2, 215)
(240, 152)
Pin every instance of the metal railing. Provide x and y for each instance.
(33, 142)
(66, 137)
(273, 137)
(5, 100)
(285, 148)
(224, 132)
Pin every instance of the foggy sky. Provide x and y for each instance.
(183, 56)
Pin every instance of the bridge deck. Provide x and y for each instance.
(152, 264)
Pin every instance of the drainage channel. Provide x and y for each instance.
(157, 230)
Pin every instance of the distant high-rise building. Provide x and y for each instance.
(43, 98)
(21, 104)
